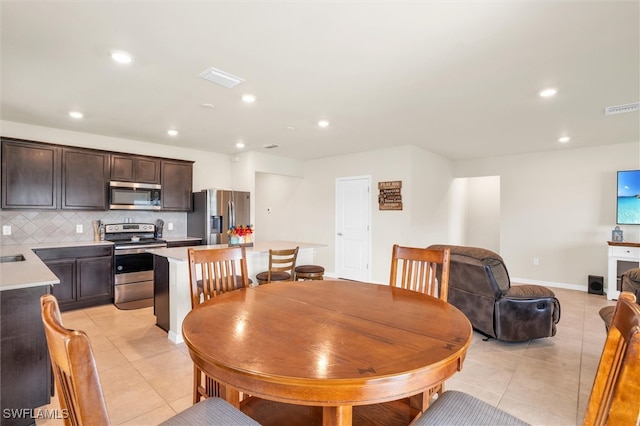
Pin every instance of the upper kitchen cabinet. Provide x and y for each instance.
(30, 175)
(130, 168)
(177, 182)
(85, 176)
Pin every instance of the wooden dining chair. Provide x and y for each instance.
(213, 272)
(78, 384)
(282, 265)
(615, 395)
(420, 269)
(425, 271)
(216, 271)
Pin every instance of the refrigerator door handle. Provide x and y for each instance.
(231, 214)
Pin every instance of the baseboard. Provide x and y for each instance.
(578, 287)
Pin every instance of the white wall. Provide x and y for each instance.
(482, 224)
(558, 207)
(426, 179)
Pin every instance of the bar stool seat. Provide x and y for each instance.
(309, 272)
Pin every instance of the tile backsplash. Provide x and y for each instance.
(40, 226)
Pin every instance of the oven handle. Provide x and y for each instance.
(137, 249)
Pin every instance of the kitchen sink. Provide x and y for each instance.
(12, 258)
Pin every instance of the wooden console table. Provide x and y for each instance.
(622, 257)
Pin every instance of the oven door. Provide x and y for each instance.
(133, 277)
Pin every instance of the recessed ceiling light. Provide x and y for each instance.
(121, 56)
(240, 145)
(547, 93)
(564, 139)
(75, 114)
(248, 98)
(323, 123)
(172, 132)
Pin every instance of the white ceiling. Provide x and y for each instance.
(457, 78)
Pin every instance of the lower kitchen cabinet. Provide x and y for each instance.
(85, 273)
(25, 368)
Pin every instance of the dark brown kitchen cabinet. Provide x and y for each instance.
(130, 168)
(25, 369)
(30, 175)
(177, 182)
(85, 274)
(85, 175)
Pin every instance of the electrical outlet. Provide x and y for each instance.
(536, 261)
(79, 229)
(170, 226)
(6, 229)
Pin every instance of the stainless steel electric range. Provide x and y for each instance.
(133, 265)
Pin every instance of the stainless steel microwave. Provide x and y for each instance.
(134, 196)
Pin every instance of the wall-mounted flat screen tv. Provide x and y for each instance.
(628, 204)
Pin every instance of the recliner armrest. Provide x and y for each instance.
(527, 291)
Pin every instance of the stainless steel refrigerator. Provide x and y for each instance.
(215, 211)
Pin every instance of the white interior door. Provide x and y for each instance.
(353, 218)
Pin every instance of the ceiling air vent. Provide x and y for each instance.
(622, 109)
(270, 146)
(220, 77)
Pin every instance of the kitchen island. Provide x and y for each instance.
(25, 372)
(171, 278)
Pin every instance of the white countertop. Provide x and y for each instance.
(32, 272)
(259, 247)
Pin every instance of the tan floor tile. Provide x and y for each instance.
(157, 365)
(173, 386)
(132, 402)
(534, 414)
(120, 377)
(153, 417)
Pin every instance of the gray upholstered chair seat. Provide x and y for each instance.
(455, 408)
(211, 411)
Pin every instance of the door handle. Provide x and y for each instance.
(339, 234)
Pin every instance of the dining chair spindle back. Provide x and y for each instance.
(420, 269)
(216, 271)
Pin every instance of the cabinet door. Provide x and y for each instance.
(95, 278)
(84, 179)
(24, 360)
(129, 168)
(30, 175)
(65, 270)
(177, 182)
(147, 170)
(122, 168)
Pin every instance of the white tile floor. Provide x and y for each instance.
(147, 379)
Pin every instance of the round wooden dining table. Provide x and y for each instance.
(331, 344)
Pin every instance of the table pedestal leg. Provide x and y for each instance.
(337, 416)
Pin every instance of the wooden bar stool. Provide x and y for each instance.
(309, 272)
(282, 265)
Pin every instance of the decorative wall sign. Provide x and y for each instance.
(390, 197)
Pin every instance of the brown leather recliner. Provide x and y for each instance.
(479, 286)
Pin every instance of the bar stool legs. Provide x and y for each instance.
(309, 272)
